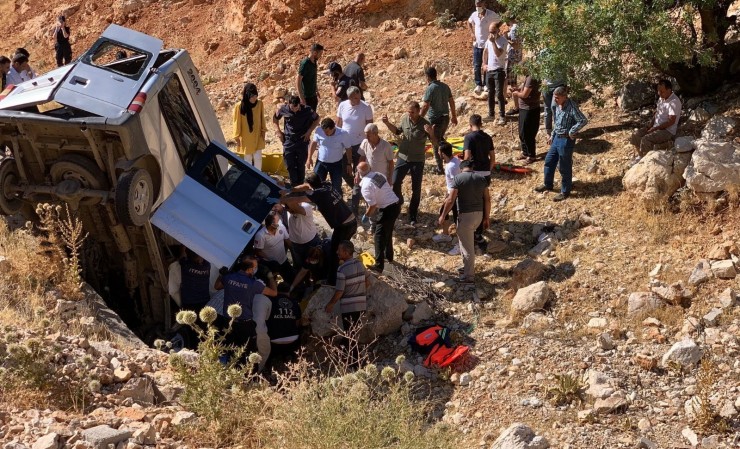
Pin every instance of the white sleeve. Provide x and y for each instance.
(285, 232)
(368, 194)
(259, 241)
(212, 280)
(261, 310)
(174, 282)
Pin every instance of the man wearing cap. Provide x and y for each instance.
(383, 209)
(340, 82)
(300, 121)
(478, 24)
(470, 190)
(306, 81)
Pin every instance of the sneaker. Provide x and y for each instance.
(561, 197)
(501, 121)
(512, 112)
(485, 89)
(542, 188)
(465, 280)
(442, 238)
(455, 251)
(478, 90)
(489, 118)
(530, 160)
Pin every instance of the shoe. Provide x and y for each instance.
(530, 160)
(442, 238)
(489, 118)
(376, 268)
(501, 121)
(465, 280)
(455, 251)
(542, 188)
(478, 90)
(512, 112)
(460, 270)
(561, 197)
(485, 88)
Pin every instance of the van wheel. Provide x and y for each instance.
(10, 204)
(82, 169)
(134, 197)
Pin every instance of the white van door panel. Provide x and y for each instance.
(36, 91)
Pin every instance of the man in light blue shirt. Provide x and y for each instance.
(333, 144)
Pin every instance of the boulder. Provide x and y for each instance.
(274, 47)
(146, 435)
(527, 272)
(719, 128)
(656, 177)
(599, 385)
(102, 436)
(183, 418)
(140, 389)
(520, 436)
(384, 315)
(685, 353)
(684, 144)
(642, 302)
(699, 115)
(49, 441)
(423, 311)
(399, 53)
(724, 269)
(613, 404)
(461, 105)
(727, 298)
(306, 33)
(636, 94)
(714, 167)
(701, 273)
(531, 298)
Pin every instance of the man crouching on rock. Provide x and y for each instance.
(351, 288)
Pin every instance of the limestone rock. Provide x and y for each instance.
(711, 319)
(306, 33)
(527, 272)
(530, 298)
(642, 302)
(684, 144)
(613, 404)
(122, 374)
(520, 436)
(690, 436)
(146, 435)
(685, 353)
(182, 418)
(384, 315)
(724, 269)
(423, 311)
(599, 386)
(49, 441)
(636, 94)
(274, 47)
(597, 323)
(719, 127)
(102, 436)
(140, 389)
(461, 105)
(714, 167)
(656, 177)
(399, 53)
(701, 273)
(727, 298)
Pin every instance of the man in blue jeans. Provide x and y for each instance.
(333, 144)
(569, 120)
(494, 64)
(478, 24)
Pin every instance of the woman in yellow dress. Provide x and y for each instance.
(250, 126)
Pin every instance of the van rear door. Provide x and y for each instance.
(108, 76)
(217, 213)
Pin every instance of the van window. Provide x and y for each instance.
(242, 186)
(119, 59)
(181, 122)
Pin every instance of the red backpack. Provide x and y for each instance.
(436, 343)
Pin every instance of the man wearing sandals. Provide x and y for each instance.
(470, 190)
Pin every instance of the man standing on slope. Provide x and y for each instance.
(478, 24)
(307, 78)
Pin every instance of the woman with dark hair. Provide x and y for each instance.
(250, 126)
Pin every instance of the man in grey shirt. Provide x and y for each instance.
(439, 108)
(474, 207)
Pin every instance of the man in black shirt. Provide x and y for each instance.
(356, 73)
(478, 148)
(300, 121)
(335, 211)
(340, 82)
(62, 47)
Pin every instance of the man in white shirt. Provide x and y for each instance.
(270, 245)
(333, 144)
(377, 152)
(384, 208)
(664, 125)
(353, 115)
(452, 169)
(478, 24)
(18, 66)
(303, 231)
(494, 64)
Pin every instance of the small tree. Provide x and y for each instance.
(605, 42)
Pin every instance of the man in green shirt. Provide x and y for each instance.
(412, 133)
(306, 81)
(439, 109)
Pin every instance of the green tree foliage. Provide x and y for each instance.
(604, 42)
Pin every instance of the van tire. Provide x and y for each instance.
(84, 170)
(10, 204)
(134, 197)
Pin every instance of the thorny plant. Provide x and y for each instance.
(706, 417)
(413, 285)
(567, 390)
(351, 352)
(65, 236)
